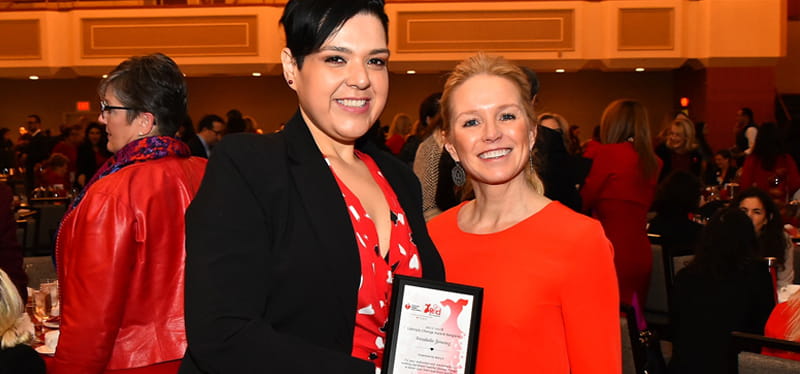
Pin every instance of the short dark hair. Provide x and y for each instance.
(153, 84)
(308, 23)
(207, 122)
(747, 112)
(429, 107)
(36, 117)
(678, 195)
(533, 79)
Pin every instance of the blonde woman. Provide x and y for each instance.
(679, 150)
(16, 332)
(398, 131)
(784, 323)
(551, 301)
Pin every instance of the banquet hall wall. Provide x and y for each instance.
(580, 96)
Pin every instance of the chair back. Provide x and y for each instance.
(756, 363)
(746, 347)
(39, 268)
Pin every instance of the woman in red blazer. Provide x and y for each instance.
(619, 191)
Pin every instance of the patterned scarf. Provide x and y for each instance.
(144, 149)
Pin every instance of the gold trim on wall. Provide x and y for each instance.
(176, 36)
(646, 29)
(467, 31)
(21, 39)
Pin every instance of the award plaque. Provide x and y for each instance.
(433, 327)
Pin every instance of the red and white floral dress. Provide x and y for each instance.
(375, 290)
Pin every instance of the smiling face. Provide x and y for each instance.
(491, 135)
(721, 162)
(676, 137)
(342, 88)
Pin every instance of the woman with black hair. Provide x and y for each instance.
(772, 239)
(770, 168)
(726, 288)
(304, 230)
(92, 153)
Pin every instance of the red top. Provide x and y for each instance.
(375, 291)
(550, 301)
(776, 328)
(785, 169)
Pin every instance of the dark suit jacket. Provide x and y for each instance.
(196, 146)
(272, 266)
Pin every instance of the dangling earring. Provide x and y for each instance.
(458, 174)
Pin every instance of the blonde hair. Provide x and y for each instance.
(793, 325)
(626, 120)
(482, 64)
(688, 133)
(401, 125)
(13, 321)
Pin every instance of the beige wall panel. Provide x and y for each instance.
(448, 31)
(176, 36)
(26, 41)
(646, 29)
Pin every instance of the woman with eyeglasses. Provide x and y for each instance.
(294, 237)
(120, 247)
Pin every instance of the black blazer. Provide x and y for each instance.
(196, 147)
(272, 266)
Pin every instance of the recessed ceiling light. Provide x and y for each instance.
(33, 77)
(105, 76)
(411, 72)
(639, 70)
(256, 74)
(560, 70)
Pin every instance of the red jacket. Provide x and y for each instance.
(120, 257)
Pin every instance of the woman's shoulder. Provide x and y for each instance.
(446, 222)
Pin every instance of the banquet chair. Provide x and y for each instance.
(633, 354)
(745, 347)
(38, 268)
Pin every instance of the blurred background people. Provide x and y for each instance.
(551, 302)
(679, 151)
(561, 171)
(722, 170)
(305, 229)
(92, 153)
(745, 131)
(428, 109)
(209, 132)
(770, 168)
(619, 191)
(398, 131)
(768, 224)
(120, 248)
(727, 287)
(676, 198)
(7, 152)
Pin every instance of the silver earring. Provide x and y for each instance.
(458, 174)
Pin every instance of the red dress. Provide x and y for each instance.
(375, 291)
(619, 196)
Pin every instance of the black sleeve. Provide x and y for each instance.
(229, 236)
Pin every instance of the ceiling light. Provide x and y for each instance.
(33, 77)
(410, 72)
(639, 70)
(256, 74)
(560, 70)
